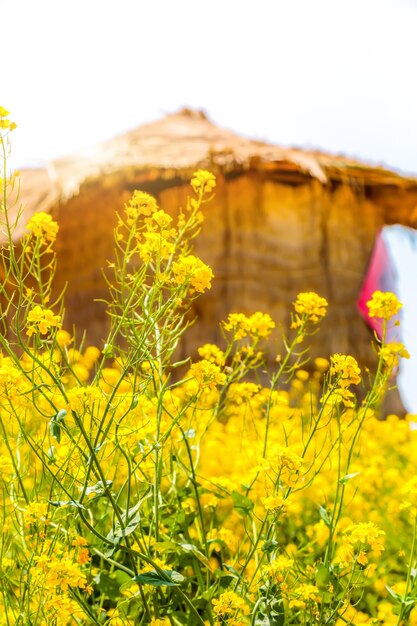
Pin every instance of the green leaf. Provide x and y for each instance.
(269, 546)
(348, 477)
(392, 593)
(170, 578)
(191, 549)
(327, 597)
(406, 601)
(60, 416)
(231, 569)
(98, 488)
(266, 620)
(55, 430)
(73, 503)
(224, 581)
(179, 617)
(325, 516)
(242, 503)
(130, 527)
(54, 426)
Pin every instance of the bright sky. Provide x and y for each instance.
(339, 75)
(335, 74)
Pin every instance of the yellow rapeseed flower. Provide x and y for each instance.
(58, 572)
(309, 307)
(42, 226)
(303, 595)
(141, 203)
(257, 326)
(148, 567)
(161, 219)
(383, 305)
(63, 338)
(345, 369)
(321, 364)
(191, 270)
(392, 352)
(207, 374)
(274, 503)
(12, 379)
(228, 603)
(156, 245)
(281, 463)
(4, 122)
(90, 356)
(279, 568)
(359, 539)
(36, 512)
(260, 325)
(203, 182)
(210, 352)
(223, 536)
(237, 323)
(42, 321)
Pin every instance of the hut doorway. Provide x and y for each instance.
(393, 267)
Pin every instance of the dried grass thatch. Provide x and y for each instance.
(175, 145)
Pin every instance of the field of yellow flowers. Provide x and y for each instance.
(137, 490)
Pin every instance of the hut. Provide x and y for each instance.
(282, 221)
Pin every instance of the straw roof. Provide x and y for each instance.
(174, 146)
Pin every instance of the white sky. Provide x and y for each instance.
(334, 74)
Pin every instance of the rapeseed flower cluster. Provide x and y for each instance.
(43, 227)
(303, 595)
(207, 374)
(5, 123)
(211, 352)
(391, 353)
(257, 326)
(343, 372)
(359, 540)
(228, 604)
(309, 307)
(155, 245)
(203, 182)
(190, 272)
(383, 305)
(41, 321)
(140, 204)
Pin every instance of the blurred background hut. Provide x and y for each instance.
(282, 221)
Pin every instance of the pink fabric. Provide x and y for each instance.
(380, 276)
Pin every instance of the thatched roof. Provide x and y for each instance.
(174, 146)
